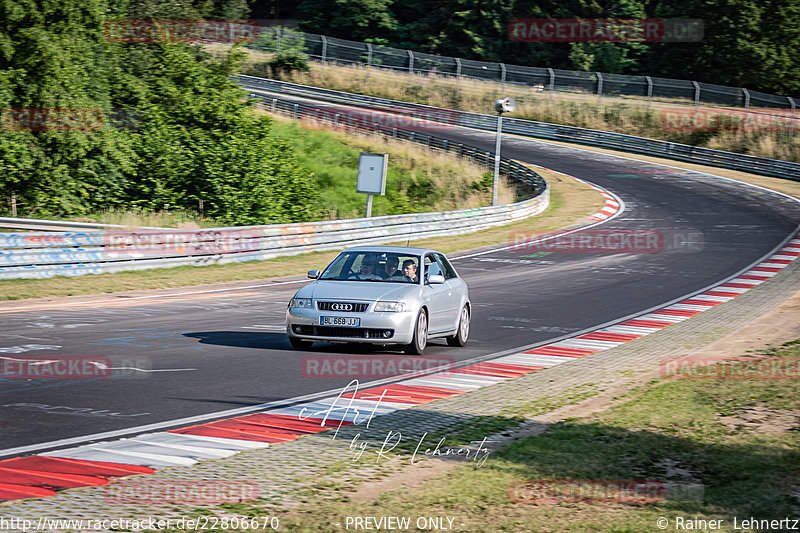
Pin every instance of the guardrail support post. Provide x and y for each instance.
(746, 98)
(791, 115)
(552, 82)
(599, 88)
(274, 105)
(296, 106)
(324, 50)
(502, 78)
(458, 74)
(696, 93)
(410, 66)
(336, 120)
(369, 60)
(649, 91)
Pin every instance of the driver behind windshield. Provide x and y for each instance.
(369, 265)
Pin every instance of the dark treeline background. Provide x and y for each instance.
(187, 137)
(751, 44)
(174, 131)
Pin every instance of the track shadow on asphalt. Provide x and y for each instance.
(265, 340)
(245, 339)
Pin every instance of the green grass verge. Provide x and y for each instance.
(417, 180)
(672, 431)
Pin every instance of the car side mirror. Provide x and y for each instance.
(313, 274)
(436, 279)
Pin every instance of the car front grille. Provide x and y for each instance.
(347, 333)
(345, 307)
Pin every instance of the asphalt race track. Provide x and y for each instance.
(206, 352)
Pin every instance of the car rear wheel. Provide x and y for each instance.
(420, 340)
(461, 336)
(299, 344)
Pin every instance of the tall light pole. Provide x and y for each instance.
(504, 105)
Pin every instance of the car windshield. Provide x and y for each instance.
(373, 266)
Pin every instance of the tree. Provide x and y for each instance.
(347, 19)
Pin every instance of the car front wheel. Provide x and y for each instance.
(420, 339)
(461, 336)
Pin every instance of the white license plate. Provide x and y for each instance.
(339, 321)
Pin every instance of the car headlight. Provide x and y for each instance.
(300, 303)
(394, 307)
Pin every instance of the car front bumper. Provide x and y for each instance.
(374, 328)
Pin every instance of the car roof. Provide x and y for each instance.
(400, 250)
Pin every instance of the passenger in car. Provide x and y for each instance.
(410, 271)
(390, 267)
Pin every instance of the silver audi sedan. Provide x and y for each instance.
(382, 295)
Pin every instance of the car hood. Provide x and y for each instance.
(357, 290)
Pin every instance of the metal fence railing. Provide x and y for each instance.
(618, 141)
(42, 255)
(600, 84)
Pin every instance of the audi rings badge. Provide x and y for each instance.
(341, 307)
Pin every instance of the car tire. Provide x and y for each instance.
(462, 335)
(420, 339)
(299, 344)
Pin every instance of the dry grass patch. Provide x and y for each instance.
(624, 114)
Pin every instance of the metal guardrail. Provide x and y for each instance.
(544, 130)
(41, 255)
(332, 50)
(60, 225)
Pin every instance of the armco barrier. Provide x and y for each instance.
(42, 255)
(58, 225)
(544, 130)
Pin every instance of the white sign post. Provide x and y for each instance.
(372, 176)
(504, 105)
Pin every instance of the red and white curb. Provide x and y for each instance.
(611, 207)
(97, 464)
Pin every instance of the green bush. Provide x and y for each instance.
(288, 61)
